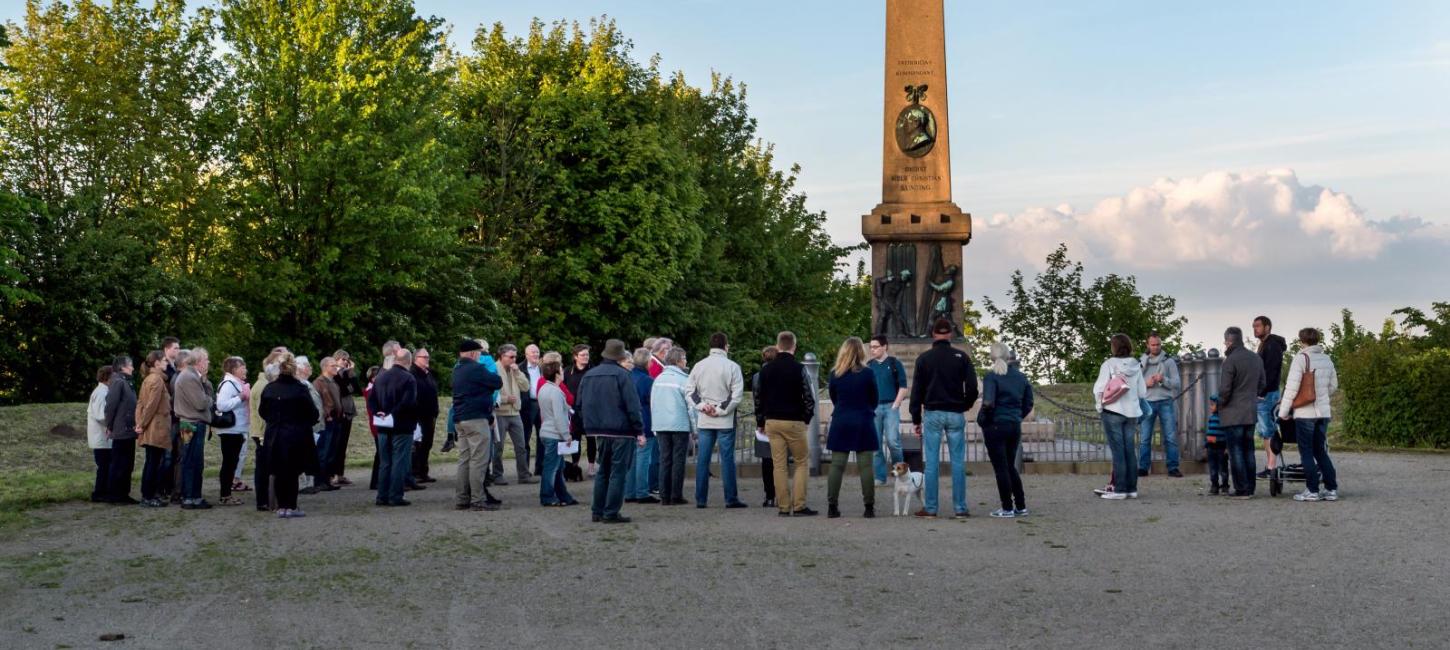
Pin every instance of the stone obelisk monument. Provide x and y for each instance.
(916, 233)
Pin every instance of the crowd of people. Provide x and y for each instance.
(640, 412)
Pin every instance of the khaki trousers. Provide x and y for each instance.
(475, 447)
(788, 437)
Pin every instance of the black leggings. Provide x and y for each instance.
(262, 476)
(231, 450)
(338, 462)
(767, 475)
(1002, 440)
(152, 473)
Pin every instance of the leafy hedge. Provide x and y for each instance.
(1397, 395)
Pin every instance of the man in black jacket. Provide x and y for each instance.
(943, 389)
(346, 387)
(395, 395)
(121, 425)
(787, 401)
(1241, 381)
(427, 414)
(608, 409)
(1271, 353)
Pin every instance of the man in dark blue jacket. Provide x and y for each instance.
(473, 387)
(395, 395)
(608, 410)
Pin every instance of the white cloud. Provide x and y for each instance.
(1229, 246)
(1240, 220)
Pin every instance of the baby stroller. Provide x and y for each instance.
(1284, 472)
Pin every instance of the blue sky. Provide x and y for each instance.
(1057, 107)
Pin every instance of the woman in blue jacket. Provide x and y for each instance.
(1006, 400)
(853, 424)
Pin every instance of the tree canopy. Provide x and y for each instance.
(329, 173)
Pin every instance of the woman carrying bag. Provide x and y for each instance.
(1312, 381)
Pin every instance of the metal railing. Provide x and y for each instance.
(1060, 431)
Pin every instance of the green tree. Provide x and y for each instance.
(107, 145)
(1426, 330)
(1061, 327)
(617, 203)
(346, 196)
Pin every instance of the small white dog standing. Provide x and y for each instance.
(908, 484)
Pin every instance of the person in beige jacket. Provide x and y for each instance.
(509, 416)
(153, 427)
(1311, 421)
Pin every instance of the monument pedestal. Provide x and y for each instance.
(916, 232)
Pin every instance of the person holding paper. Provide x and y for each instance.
(715, 387)
(394, 401)
(553, 434)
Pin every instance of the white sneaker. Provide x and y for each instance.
(1329, 495)
(1113, 496)
(1004, 514)
(1307, 496)
(1132, 495)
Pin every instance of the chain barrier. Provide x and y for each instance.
(1072, 410)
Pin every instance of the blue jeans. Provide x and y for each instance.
(324, 452)
(1119, 431)
(1241, 459)
(637, 485)
(1164, 413)
(193, 458)
(1314, 453)
(615, 456)
(954, 425)
(394, 461)
(552, 488)
(654, 466)
(888, 428)
(708, 438)
(1268, 421)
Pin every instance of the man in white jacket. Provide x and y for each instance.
(714, 390)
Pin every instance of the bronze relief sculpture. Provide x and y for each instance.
(915, 125)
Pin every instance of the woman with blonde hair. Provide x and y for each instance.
(853, 424)
(1006, 400)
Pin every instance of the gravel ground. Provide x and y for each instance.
(1175, 566)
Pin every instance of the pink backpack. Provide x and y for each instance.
(1116, 388)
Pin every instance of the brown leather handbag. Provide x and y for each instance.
(1306, 395)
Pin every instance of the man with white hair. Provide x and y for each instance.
(393, 401)
(529, 406)
(194, 399)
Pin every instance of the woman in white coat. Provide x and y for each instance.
(97, 438)
(1311, 420)
(1118, 392)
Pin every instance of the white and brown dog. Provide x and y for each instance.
(908, 485)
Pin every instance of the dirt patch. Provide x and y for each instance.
(67, 432)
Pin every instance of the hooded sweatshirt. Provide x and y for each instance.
(1126, 405)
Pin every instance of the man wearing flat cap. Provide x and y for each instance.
(473, 387)
(608, 410)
